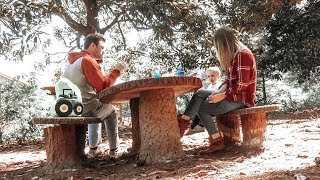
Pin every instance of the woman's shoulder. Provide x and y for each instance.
(245, 53)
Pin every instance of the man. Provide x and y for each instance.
(85, 72)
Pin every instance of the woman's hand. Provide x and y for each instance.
(215, 98)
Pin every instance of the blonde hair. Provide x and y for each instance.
(225, 42)
(214, 69)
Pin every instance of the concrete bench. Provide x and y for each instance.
(246, 126)
(65, 141)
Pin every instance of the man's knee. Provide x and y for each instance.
(112, 116)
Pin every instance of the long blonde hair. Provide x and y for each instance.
(226, 44)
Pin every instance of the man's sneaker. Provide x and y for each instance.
(114, 153)
(93, 152)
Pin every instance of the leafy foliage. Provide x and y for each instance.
(19, 104)
(20, 28)
(286, 38)
(250, 16)
(165, 18)
(293, 41)
(292, 95)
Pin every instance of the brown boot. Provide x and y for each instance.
(216, 144)
(183, 124)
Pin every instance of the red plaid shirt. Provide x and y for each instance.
(242, 78)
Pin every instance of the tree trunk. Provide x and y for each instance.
(63, 149)
(229, 125)
(160, 139)
(136, 140)
(264, 93)
(253, 129)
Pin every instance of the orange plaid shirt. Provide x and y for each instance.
(242, 78)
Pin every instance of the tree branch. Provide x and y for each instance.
(114, 21)
(61, 12)
(102, 4)
(123, 38)
(92, 16)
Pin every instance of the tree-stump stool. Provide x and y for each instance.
(65, 141)
(253, 122)
(230, 126)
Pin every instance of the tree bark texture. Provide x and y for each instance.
(61, 147)
(136, 139)
(160, 139)
(229, 125)
(253, 129)
(81, 131)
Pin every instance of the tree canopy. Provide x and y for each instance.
(293, 41)
(181, 30)
(170, 21)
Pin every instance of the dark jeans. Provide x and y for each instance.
(201, 106)
(196, 121)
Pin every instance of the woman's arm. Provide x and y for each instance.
(217, 97)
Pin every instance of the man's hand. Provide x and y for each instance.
(215, 98)
(120, 66)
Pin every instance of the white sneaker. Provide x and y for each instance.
(94, 152)
(116, 153)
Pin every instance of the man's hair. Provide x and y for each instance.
(93, 38)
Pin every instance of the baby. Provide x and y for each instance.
(213, 75)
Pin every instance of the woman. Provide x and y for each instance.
(240, 66)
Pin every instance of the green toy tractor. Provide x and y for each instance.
(68, 99)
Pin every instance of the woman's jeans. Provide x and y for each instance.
(201, 106)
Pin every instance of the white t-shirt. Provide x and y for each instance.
(214, 87)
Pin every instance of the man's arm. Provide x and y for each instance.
(94, 76)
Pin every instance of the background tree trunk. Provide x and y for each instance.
(264, 93)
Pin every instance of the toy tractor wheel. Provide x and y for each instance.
(63, 108)
(78, 109)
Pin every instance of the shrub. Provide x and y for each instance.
(20, 102)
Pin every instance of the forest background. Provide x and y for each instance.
(283, 34)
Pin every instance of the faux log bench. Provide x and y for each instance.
(65, 141)
(253, 123)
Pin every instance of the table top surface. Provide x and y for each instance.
(125, 91)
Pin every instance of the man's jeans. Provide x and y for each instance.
(201, 106)
(107, 113)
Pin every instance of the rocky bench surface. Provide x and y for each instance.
(256, 109)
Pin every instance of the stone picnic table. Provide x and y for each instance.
(155, 133)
